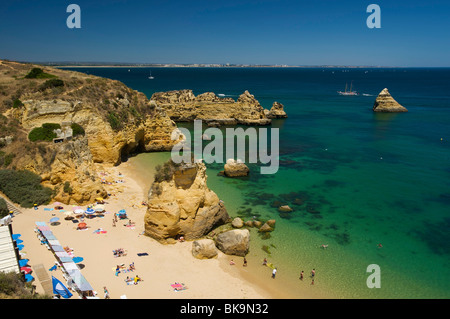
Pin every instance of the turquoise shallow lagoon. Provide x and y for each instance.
(355, 179)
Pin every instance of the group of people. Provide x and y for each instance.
(313, 274)
(119, 252)
(133, 281)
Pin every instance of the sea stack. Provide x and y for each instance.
(386, 103)
(276, 112)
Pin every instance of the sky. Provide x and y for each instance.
(323, 32)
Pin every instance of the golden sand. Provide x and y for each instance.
(164, 265)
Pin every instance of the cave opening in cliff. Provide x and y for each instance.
(130, 150)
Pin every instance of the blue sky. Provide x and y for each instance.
(328, 32)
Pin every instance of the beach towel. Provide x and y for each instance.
(178, 287)
(48, 209)
(142, 254)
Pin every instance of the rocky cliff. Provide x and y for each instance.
(181, 204)
(184, 106)
(115, 121)
(386, 103)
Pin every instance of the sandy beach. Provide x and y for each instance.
(164, 265)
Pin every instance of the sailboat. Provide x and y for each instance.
(151, 77)
(348, 92)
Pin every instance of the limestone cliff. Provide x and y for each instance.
(386, 103)
(181, 204)
(184, 106)
(115, 122)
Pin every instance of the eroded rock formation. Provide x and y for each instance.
(181, 204)
(276, 112)
(184, 106)
(386, 103)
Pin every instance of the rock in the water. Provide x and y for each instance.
(237, 223)
(204, 249)
(276, 112)
(285, 209)
(265, 228)
(234, 242)
(386, 103)
(235, 168)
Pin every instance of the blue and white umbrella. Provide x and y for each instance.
(90, 211)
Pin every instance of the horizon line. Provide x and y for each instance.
(203, 64)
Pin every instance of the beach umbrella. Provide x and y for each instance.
(99, 208)
(99, 199)
(89, 211)
(20, 247)
(19, 241)
(57, 204)
(122, 211)
(54, 220)
(16, 236)
(23, 262)
(77, 259)
(26, 270)
(78, 211)
(28, 278)
(82, 225)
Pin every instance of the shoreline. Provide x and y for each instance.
(164, 265)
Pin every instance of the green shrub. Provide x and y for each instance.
(44, 133)
(114, 121)
(67, 188)
(3, 208)
(166, 171)
(17, 103)
(24, 187)
(37, 73)
(77, 130)
(52, 83)
(13, 287)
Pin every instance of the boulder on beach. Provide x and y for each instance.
(386, 103)
(235, 168)
(234, 242)
(204, 249)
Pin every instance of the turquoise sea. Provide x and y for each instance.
(355, 179)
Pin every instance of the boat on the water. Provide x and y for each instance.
(351, 92)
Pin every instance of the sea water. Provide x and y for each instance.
(374, 188)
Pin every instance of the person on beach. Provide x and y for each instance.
(106, 293)
(231, 262)
(312, 282)
(114, 222)
(274, 272)
(264, 262)
(245, 262)
(301, 275)
(137, 279)
(313, 273)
